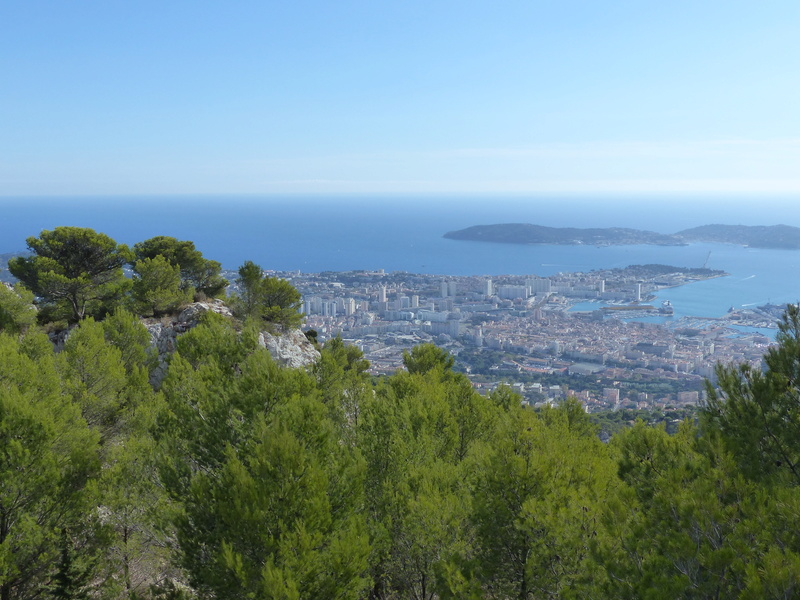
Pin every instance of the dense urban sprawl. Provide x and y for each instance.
(533, 333)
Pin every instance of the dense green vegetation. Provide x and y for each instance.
(611, 422)
(197, 274)
(242, 479)
(266, 299)
(73, 273)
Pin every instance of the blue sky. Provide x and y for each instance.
(399, 97)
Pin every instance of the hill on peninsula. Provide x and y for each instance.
(774, 236)
(755, 236)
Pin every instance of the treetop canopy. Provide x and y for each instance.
(197, 272)
(74, 269)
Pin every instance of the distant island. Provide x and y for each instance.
(774, 236)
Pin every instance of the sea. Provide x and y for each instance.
(404, 233)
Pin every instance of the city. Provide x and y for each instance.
(595, 336)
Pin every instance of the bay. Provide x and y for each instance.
(404, 233)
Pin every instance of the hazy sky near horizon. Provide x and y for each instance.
(399, 97)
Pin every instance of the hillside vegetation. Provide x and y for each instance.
(238, 478)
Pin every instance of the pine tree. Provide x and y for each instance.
(74, 271)
(48, 457)
(757, 412)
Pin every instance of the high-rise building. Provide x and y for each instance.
(488, 289)
(443, 289)
(511, 292)
(313, 305)
(451, 328)
(329, 309)
(451, 288)
(402, 302)
(540, 285)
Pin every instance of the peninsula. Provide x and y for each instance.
(775, 236)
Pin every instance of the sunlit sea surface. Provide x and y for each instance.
(398, 233)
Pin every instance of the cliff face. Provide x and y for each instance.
(291, 349)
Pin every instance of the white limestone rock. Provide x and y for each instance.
(162, 341)
(290, 349)
(193, 312)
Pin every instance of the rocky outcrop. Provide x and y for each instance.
(290, 349)
(59, 338)
(162, 340)
(164, 333)
(192, 313)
